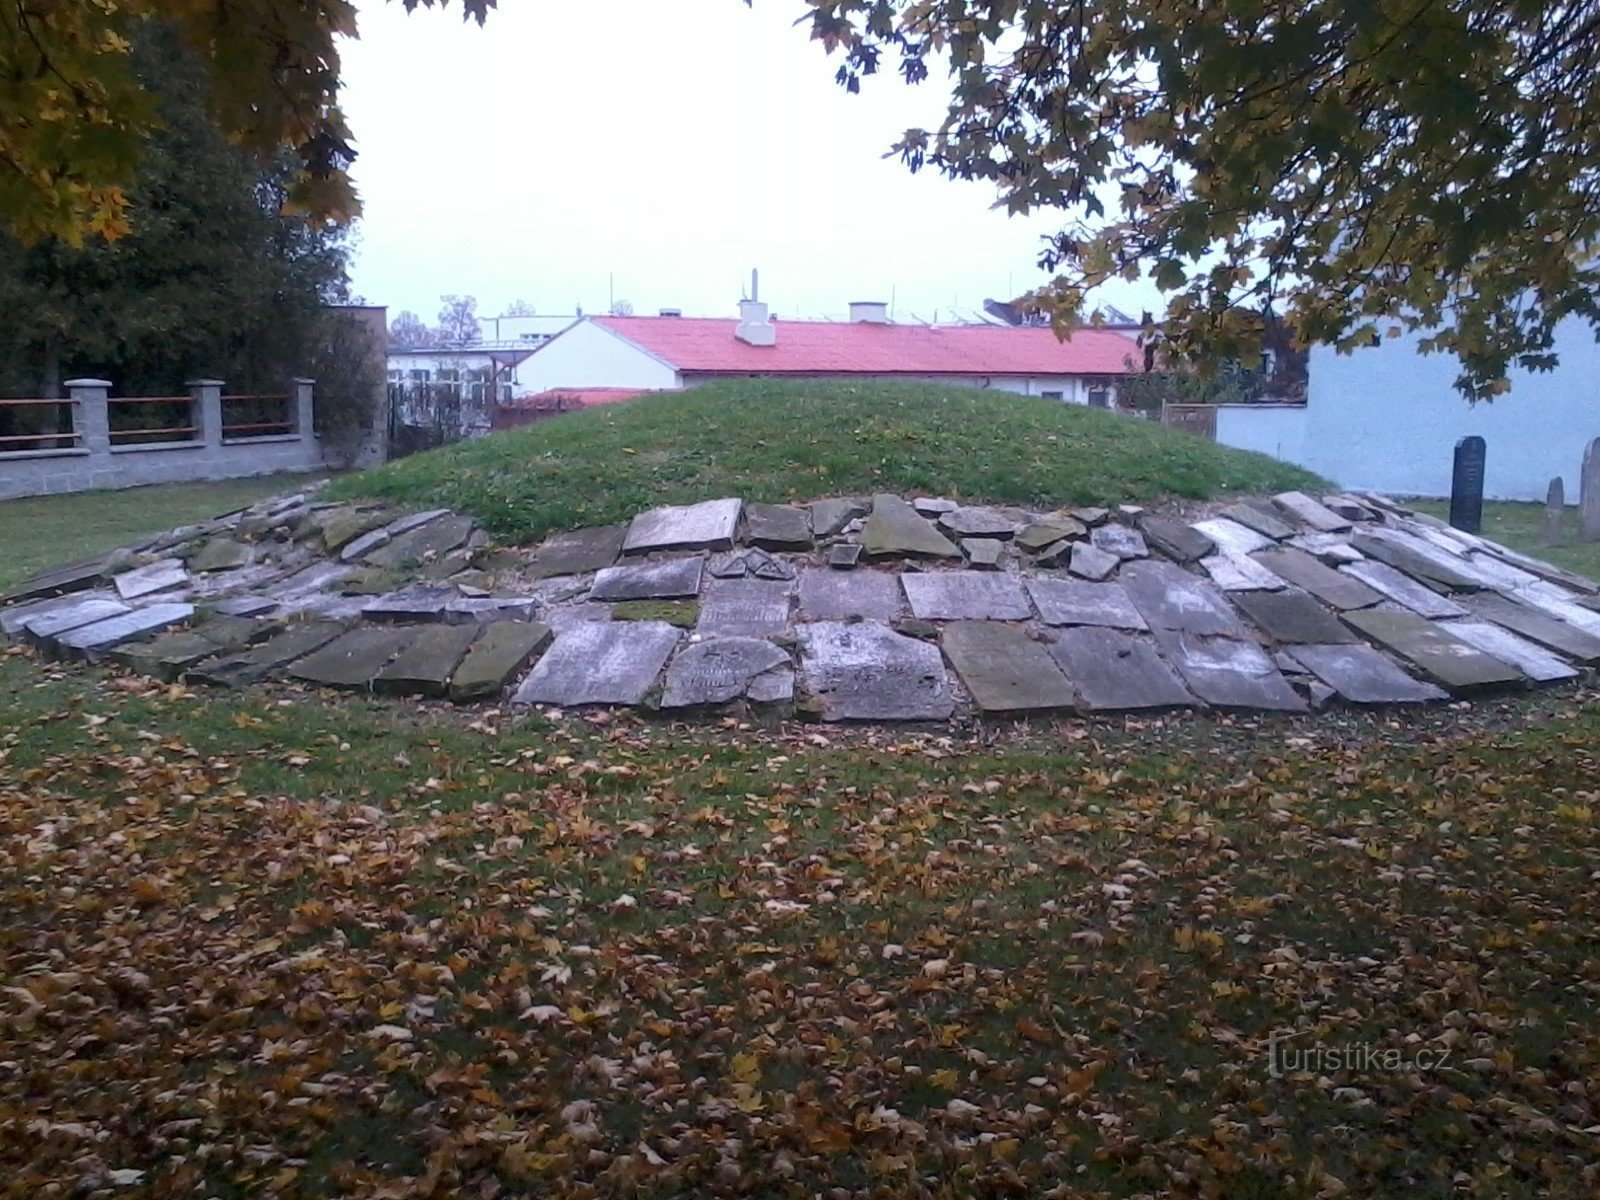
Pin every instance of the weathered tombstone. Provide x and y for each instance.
(1466, 485)
(865, 671)
(1555, 511)
(1589, 494)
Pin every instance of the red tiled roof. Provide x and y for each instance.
(696, 344)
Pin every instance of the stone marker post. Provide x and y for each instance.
(89, 397)
(207, 401)
(1555, 511)
(305, 422)
(1589, 494)
(1466, 485)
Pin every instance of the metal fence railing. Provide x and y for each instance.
(34, 426)
(248, 417)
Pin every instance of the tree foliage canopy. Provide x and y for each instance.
(1359, 166)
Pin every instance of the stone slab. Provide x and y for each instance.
(845, 556)
(777, 527)
(1113, 671)
(167, 658)
(162, 576)
(500, 654)
(418, 603)
(1546, 571)
(1322, 581)
(425, 665)
(318, 577)
(983, 553)
(1293, 618)
(745, 608)
(1228, 673)
(720, 670)
(895, 529)
(13, 618)
(485, 610)
(431, 540)
(1578, 611)
(1168, 597)
(1256, 518)
(1449, 661)
(1232, 537)
(1178, 541)
(1361, 675)
(354, 659)
(1070, 602)
(1419, 559)
(1090, 562)
(96, 641)
(830, 516)
(255, 664)
(1311, 512)
(1332, 548)
(1403, 589)
(978, 523)
(1050, 530)
(966, 595)
(1004, 669)
(578, 552)
(77, 611)
(339, 527)
(1536, 625)
(222, 554)
(668, 579)
(74, 577)
(1124, 542)
(1532, 660)
(1236, 573)
(934, 506)
(600, 662)
(827, 595)
(865, 671)
(245, 606)
(709, 525)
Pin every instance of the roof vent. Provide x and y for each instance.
(755, 326)
(672, 312)
(869, 312)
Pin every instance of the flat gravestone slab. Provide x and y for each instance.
(505, 648)
(1178, 541)
(1546, 571)
(318, 577)
(1255, 518)
(1169, 597)
(1534, 661)
(601, 662)
(244, 606)
(865, 671)
(1446, 659)
(1403, 589)
(1362, 675)
(1537, 626)
(1232, 537)
(1235, 573)
(1120, 540)
(1228, 673)
(1332, 548)
(983, 553)
(669, 579)
(160, 576)
(1112, 671)
(1091, 562)
(1069, 602)
(1049, 531)
(934, 506)
(844, 556)
(1004, 669)
(47, 626)
(777, 527)
(418, 603)
(867, 595)
(745, 608)
(1419, 559)
(1293, 618)
(1322, 581)
(1311, 512)
(167, 658)
(338, 527)
(895, 528)
(222, 554)
(978, 523)
(14, 618)
(966, 595)
(75, 577)
(425, 665)
(353, 660)
(485, 610)
(829, 517)
(95, 641)
(720, 670)
(709, 525)
(255, 664)
(578, 552)
(431, 540)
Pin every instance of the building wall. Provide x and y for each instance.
(1073, 389)
(1275, 429)
(588, 355)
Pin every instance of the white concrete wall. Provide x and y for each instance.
(1275, 429)
(1387, 418)
(1074, 389)
(589, 355)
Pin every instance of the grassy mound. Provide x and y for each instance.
(776, 441)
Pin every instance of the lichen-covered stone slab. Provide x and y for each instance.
(430, 540)
(1120, 540)
(1228, 673)
(76, 611)
(865, 671)
(1231, 537)
(745, 608)
(777, 527)
(1534, 661)
(1070, 602)
(253, 665)
(162, 576)
(1403, 589)
(426, 663)
(1324, 582)
(601, 662)
(578, 552)
(720, 670)
(983, 553)
(222, 554)
(1311, 512)
(94, 642)
(894, 528)
(1537, 626)
(709, 525)
(830, 516)
(339, 527)
(353, 660)
(1168, 597)
(845, 556)
(1113, 671)
(827, 595)
(966, 595)
(1444, 658)
(1048, 531)
(666, 579)
(500, 654)
(978, 523)
(1178, 541)
(1293, 618)
(1257, 518)
(1004, 669)
(168, 657)
(1361, 675)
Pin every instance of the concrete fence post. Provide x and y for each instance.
(207, 394)
(93, 415)
(305, 413)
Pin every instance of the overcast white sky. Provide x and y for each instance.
(672, 144)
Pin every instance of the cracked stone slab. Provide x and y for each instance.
(667, 579)
(777, 527)
(222, 554)
(1311, 512)
(1047, 531)
(163, 576)
(253, 665)
(1090, 562)
(600, 662)
(501, 653)
(1232, 537)
(1403, 589)
(426, 663)
(428, 541)
(1332, 548)
(1293, 618)
(830, 516)
(354, 659)
(1114, 671)
(895, 528)
(1418, 559)
(1069, 602)
(978, 523)
(1168, 597)
(1361, 675)
(746, 608)
(1235, 573)
(485, 610)
(1429, 646)
(709, 525)
(168, 657)
(93, 642)
(1178, 541)
(966, 595)
(76, 611)
(828, 595)
(1330, 586)
(865, 671)
(1255, 518)
(578, 552)
(1124, 542)
(1536, 625)
(416, 603)
(1004, 669)
(1228, 673)
(983, 553)
(1534, 661)
(720, 670)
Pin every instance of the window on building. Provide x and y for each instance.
(1054, 395)
(1100, 396)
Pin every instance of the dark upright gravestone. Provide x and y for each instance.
(1466, 485)
(1555, 511)
(1589, 494)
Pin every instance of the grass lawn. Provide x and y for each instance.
(775, 441)
(274, 944)
(1521, 526)
(46, 531)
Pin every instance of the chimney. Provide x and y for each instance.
(755, 327)
(869, 312)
